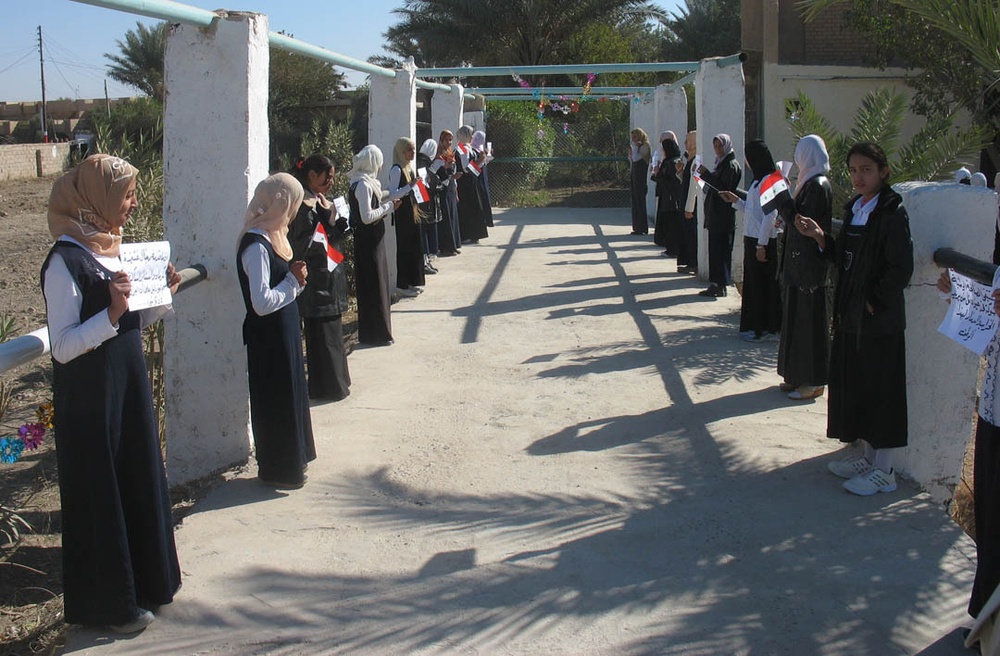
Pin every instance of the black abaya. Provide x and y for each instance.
(371, 275)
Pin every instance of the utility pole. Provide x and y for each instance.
(107, 99)
(41, 62)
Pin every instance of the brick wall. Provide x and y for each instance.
(830, 41)
(23, 160)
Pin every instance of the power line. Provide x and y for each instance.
(23, 57)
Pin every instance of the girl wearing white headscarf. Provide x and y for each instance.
(279, 398)
(720, 216)
(805, 327)
(431, 210)
(471, 214)
(371, 267)
(117, 535)
(479, 146)
(406, 219)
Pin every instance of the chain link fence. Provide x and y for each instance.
(584, 167)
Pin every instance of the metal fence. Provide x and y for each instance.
(573, 164)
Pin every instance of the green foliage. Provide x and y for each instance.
(140, 62)
(704, 28)
(437, 32)
(931, 154)
(515, 125)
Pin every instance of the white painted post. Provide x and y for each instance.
(940, 374)
(392, 113)
(719, 108)
(215, 152)
(671, 113)
(476, 120)
(447, 110)
(642, 114)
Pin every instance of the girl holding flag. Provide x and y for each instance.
(409, 251)
(760, 315)
(316, 236)
(471, 215)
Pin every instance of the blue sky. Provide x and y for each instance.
(76, 36)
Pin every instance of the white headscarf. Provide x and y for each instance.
(274, 204)
(811, 159)
(727, 146)
(479, 140)
(367, 164)
(978, 179)
(429, 149)
(962, 174)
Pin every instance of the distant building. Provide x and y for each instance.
(61, 115)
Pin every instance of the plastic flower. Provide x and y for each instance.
(44, 413)
(31, 435)
(10, 449)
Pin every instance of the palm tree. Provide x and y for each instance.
(931, 154)
(703, 28)
(495, 32)
(140, 64)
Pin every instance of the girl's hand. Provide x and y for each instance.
(728, 196)
(120, 287)
(944, 284)
(173, 278)
(688, 215)
(702, 170)
(808, 228)
(868, 306)
(298, 268)
(996, 301)
(761, 254)
(396, 203)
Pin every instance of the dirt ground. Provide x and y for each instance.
(30, 572)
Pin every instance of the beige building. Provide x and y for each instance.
(823, 58)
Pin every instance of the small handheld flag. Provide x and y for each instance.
(420, 192)
(773, 192)
(475, 168)
(333, 256)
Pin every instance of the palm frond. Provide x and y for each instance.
(810, 9)
(879, 119)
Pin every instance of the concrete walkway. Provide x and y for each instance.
(567, 451)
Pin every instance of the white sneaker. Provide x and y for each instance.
(406, 293)
(850, 467)
(750, 337)
(141, 621)
(770, 337)
(871, 483)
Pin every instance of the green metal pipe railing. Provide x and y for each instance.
(560, 91)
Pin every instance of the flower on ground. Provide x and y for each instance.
(31, 435)
(10, 449)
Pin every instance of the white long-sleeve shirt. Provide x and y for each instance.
(363, 194)
(70, 338)
(756, 224)
(257, 265)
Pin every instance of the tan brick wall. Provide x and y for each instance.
(22, 160)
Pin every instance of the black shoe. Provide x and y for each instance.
(429, 270)
(708, 292)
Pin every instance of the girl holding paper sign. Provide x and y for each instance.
(471, 215)
(443, 166)
(118, 549)
(315, 230)
(874, 258)
(409, 251)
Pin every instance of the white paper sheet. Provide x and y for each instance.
(146, 266)
(343, 209)
(971, 320)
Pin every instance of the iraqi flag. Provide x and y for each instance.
(333, 256)
(475, 168)
(773, 192)
(420, 191)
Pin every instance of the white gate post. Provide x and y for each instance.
(215, 151)
(719, 108)
(671, 113)
(447, 110)
(392, 113)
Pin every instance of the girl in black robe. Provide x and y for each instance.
(720, 217)
(119, 558)
(409, 251)
(804, 349)
(270, 282)
(430, 211)
(324, 300)
(638, 157)
(471, 215)
(669, 196)
(874, 258)
(371, 269)
(443, 166)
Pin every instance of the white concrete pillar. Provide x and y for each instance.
(719, 108)
(215, 151)
(447, 110)
(642, 114)
(392, 113)
(671, 113)
(476, 120)
(940, 374)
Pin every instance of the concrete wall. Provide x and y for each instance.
(19, 161)
(837, 91)
(719, 103)
(447, 110)
(215, 152)
(941, 375)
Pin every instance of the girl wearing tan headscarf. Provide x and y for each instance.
(279, 402)
(115, 503)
